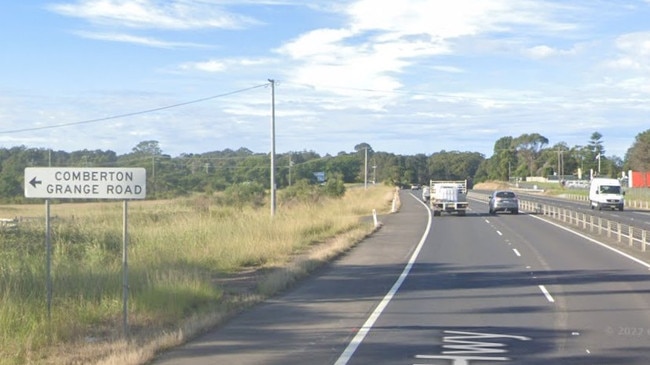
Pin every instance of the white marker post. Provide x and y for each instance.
(87, 183)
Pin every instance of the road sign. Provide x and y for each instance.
(86, 182)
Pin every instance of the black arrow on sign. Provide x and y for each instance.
(35, 182)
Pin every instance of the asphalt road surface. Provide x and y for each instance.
(480, 289)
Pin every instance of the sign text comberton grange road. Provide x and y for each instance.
(85, 182)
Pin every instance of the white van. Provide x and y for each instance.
(608, 193)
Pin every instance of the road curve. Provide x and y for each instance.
(315, 322)
(480, 289)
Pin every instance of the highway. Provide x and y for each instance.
(480, 289)
(636, 217)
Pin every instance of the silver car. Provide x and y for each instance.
(504, 201)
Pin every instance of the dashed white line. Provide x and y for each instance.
(499, 233)
(516, 252)
(548, 295)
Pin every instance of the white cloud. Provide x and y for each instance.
(545, 51)
(221, 65)
(382, 39)
(144, 41)
(207, 66)
(448, 69)
(634, 52)
(152, 14)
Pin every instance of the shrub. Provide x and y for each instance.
(248, 193)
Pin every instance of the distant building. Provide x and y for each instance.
(320, 176)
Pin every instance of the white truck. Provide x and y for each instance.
(606, 193)
(448, 196)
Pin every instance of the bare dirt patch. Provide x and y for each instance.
(491, 185)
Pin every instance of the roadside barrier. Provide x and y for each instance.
(623, 233)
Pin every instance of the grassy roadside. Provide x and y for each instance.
(192, 263)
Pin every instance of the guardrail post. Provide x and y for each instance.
(600, 225)
(591, 223)
(584, 221)
(577, 218)
(618, 230)
(643, 239)
(609, 228)
(630, 234)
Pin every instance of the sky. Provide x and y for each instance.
(407, 77)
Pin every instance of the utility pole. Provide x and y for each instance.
(560, 164)
(365, 170)
(290, 165)
(272, 147)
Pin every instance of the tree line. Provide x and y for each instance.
(167, 176)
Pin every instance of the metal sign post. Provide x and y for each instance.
(87, 183)
(125, 269)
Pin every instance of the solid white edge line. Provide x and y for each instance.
(546, 293)
(367, 326)
(594, 241)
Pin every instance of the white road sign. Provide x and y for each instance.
(86, 182)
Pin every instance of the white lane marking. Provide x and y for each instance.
(367, 326)
(499, 233)
(548, 295)
(594, 241)
(516, 252)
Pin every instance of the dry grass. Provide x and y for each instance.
(190, 267)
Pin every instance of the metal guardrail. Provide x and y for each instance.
(634, 204)
(634, 237)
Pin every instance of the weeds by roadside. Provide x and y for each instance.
(192, 262)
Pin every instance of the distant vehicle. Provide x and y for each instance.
(415, 187)
(425, 194)
(448, 196)
(577, 184)
(503, 201)
(607, 193)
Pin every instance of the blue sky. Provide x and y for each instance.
(407, 77)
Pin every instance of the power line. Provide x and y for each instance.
(118, 116)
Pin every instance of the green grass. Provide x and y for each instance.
(178, 253)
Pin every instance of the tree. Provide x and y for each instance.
(147, 148)
(638, 156)
(454, 165)
(361, 147)
(504, 160)
(594, 151)
(529, 147)
(344, 165)
(364, 151)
